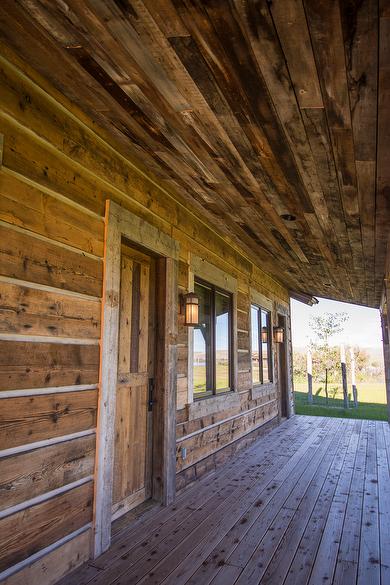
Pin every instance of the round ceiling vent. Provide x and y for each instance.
(288, 217)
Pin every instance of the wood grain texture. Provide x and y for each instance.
(28, 207)
(56, 564)
(131, 469)
(30, 311)
(31, 474)
(28, 258)
(286, 509)
(282, 121)
(36, 365)
(130, 442)
(28, 531)
(108, 380)
(29, 419)
(220, 434)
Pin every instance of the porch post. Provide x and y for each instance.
(386, 359)
(385, 318)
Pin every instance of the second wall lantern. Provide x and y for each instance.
(191, 309)
(278, 334)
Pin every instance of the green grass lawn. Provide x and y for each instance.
(222, 378)
(371, 401)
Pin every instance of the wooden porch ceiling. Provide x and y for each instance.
(248, 111)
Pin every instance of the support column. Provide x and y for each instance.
(344, 375)
(386, 354)
(309, 376)
(353, 376)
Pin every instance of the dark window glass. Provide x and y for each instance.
(265, 347)
(212, 341)
(222, 342)
(255, 345)
(202, 342)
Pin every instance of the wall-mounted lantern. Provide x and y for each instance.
(264, 334)
(191, 309)
(278, 334)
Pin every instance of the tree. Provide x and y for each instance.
(327, 325)
(299, 366)
(324, 327)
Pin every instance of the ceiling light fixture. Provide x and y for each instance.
(288, 217)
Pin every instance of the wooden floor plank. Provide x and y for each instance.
(369, 555)
(348, 554)
(134, 561)
(161, 565)
(384, 504)
(325, 562)
(302, 476)
(327, 514)
(272, 558)
(144, 534)
(259, 512)
(308, 503)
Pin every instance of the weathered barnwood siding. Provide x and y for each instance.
(50, 287)
(57, 172)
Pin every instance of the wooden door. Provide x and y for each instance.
(132, 459)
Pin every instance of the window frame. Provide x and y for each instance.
(259, 308)
(210, 393)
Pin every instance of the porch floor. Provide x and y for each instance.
(307, 503)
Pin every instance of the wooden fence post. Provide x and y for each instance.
(309, 376)
(344, 375)
(353, 377)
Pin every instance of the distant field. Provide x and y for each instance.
(222, 376)
(371, 399)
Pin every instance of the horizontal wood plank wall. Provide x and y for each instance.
(50, 302)
(58, 169)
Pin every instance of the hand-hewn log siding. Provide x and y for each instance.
(29, 258)
(50, 287)
(28, 475)
(26, 532)
(58, 170)
(55, 564)
(31, 208)
(28, 419)
(38, 365)
(41, 312)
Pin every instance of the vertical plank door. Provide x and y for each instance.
(132, 460)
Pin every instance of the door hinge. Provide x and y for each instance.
(151, 394)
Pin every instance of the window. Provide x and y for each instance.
(212, 341)
(261, 345)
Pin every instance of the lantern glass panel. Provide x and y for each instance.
(192, 310)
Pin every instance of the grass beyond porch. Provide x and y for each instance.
(371, 401)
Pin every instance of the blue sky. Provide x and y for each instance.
(363, 327)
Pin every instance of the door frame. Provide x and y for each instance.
(121, 223)
(284, 313)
